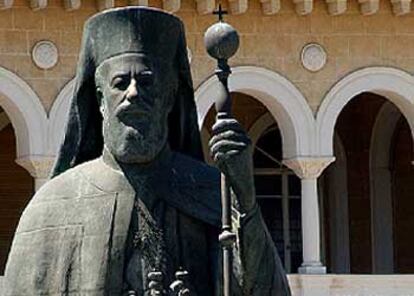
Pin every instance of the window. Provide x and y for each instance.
(278, 193)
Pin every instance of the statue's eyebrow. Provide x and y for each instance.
(147, 72)
(119, 74)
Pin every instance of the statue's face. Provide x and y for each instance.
(136, 95)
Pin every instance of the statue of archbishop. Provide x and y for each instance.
(131, 202)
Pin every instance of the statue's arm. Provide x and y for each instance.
(258, 270)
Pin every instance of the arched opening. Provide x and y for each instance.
(402, 177)
(367, 189)
(278, 189)
(281, 98)
(16, 187)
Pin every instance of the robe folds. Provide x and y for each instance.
(72, 237)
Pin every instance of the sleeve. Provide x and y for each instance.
(257, 268)
(44, 259)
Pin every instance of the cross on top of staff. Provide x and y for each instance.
(220, 12)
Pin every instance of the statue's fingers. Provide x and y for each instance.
(231, 153)
(229, 135)
(224, 146)
(226, 124)
(223, 158)
(218, 158)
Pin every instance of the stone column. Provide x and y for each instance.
(39, 168)
(309, 169)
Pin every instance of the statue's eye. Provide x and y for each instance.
(145, 78)
(121, 82)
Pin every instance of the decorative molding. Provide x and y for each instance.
(336, 7)
(39, 167)
(280, 96)
(259, 126)
(303, 7)
(26, 113)
(205, 6)
(45, 54)
(401, 7)
(71, 4)
(308, 167)
(105, 4)
(4, 120)
(38, 4)
(313, 57)
(270, 7)
(171, 5)
(6, 4)
(138, 2)
(393, 84)
(238, 6)
(369, 7)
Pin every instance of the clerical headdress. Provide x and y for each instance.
(153, 32)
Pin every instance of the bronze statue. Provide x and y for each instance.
(132, 209)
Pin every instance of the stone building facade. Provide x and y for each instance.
(325, 90)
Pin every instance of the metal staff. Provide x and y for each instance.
(222, 41)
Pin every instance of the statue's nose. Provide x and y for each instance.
(132, 90)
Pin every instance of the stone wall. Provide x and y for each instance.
(352, 41)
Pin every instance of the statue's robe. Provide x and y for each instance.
(72, 237)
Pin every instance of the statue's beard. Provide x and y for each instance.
(138, 141)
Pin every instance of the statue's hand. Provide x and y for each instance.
(231, 150)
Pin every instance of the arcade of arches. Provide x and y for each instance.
(365, 207)
(365, 229)
(367, 192)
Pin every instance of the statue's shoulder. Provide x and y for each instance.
(59, 199)
(68, 184)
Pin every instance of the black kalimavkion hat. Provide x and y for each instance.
(159, 35)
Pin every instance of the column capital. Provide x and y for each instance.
(308, 167)
(38, 166)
